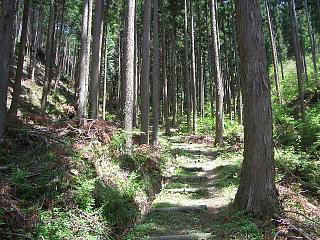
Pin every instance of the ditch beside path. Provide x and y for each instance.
(188, 204)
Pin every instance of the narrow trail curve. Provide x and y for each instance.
(187, 206)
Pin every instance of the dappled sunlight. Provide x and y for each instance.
(193, 194)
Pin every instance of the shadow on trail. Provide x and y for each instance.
(177, 222)
(197, 153)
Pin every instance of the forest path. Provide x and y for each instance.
(195, 191)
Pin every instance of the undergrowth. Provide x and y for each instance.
(76, 191)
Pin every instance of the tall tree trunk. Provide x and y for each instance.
(60, 40)
(136, 82)
(128, 62)
(210, 63)
(122, 69)
(186, 69)
(96, 59)
(49, 57)
(104, 100)
(193, 73)
(298, 54)
(238, 76)
(119, 87)
(257, 193)
(35, 41)
(318, 9)
(83, 67)
(201, 63)
(274, 52)
(33, 31)
(280, 59)
(155, 75)
(217, 75)
(16, 29)
(6, 44)
(89, 39)
(145, 73)
(22, 50)
(304, 60)
(225, 67)
(164, 72)
(174, 70)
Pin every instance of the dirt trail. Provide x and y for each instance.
(187, 206)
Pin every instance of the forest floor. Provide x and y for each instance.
(189, 203)
(196, 200)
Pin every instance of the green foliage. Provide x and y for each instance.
(54, 224)
(117, 142)
(285, 128)
(20, 181)
(59, 223)
(111, 117)
(84, 193)
(291, 164)
(118, 208)
(310, 135)
(233, 130)
(206, 125)
(1, 215)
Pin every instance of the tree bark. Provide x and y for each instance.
(36, 41)
(129, 72)
(217, 75)
(145, 73)
(6, 39)
(83, 67)
(164, 72)
(238, 76)
(34, 23)
(136, 80)
(22, 50)
(96, 59)
(318, 9)
(201, 64)
(185, 65)
(119, 80)
(174, 70)
(16, 29)
(257, 193)
(155, 75)
(193, 73)
(104, 100)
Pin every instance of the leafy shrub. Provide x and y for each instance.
(117, 208)
(54, 225)
(59, 223)
(117, 142)
(291, 164)
(206, 125)
(84, 193)
(233, 130)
